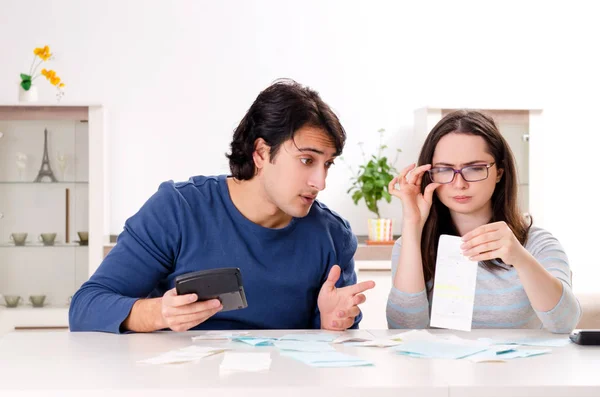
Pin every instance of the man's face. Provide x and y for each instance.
(298, 171)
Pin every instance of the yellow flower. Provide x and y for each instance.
(43, 53)
(49, 74)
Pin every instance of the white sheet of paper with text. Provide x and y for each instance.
(454, 286)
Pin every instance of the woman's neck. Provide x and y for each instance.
(466, 222)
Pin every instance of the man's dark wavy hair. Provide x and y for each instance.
(277, 113)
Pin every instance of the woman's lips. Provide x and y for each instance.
(462, 199)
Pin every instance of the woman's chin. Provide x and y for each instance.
(464, 209)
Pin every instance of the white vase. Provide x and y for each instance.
(30, 95)
(381, 230)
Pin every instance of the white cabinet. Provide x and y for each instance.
(373, 309)
(65, 145)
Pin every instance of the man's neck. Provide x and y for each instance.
(466, 222)
(250, 199)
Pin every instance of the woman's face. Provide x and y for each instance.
(456, 151)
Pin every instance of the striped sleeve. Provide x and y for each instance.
(405, 310)
(547, 250)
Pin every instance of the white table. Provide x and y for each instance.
(60, 363)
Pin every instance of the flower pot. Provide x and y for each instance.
(381, 231)
(31, 95)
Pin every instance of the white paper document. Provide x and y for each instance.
(187, 354)
(301, 346)
(377, 343)
(454, 286)
(504, 353)
(248, 362)
(312, 337)
(415, 334)
(326, 359)
(219, 335)
(344, 339)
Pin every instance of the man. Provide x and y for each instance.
(295, 254)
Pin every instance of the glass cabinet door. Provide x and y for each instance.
(44, 195)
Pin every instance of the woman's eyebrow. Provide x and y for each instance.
(464, 164)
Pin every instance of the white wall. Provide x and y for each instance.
(173, 75)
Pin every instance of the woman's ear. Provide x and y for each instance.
(499, 175)
(261, 153)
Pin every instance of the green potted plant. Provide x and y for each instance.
(370, 184)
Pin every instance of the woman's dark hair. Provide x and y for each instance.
(504, 199)
(275, 116)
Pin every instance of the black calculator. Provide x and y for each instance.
(586, 336)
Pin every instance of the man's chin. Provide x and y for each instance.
(299, 212)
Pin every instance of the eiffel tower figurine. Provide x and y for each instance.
(45, 170)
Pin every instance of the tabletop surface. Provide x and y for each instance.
(64, 363)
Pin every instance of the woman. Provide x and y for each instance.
(465, 185)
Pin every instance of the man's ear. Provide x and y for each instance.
(499, 175)
(261, 153)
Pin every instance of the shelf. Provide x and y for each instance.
(40, 245)
(44, 183)
(50, 104)
(28, 307)
(25, 316)
(49, 111)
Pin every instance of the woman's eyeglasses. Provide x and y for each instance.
(471, 173)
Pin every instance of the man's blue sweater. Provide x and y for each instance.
(194, 225)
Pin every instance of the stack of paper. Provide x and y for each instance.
(344, 339)
(553, 342)
(187, 354)
(295, 345)
(504, 353)
(425, 345)
(438, 349)
(250, 340)
(376, 343)
(327, 359)
(219, 335)
(366, 342)
(416, 334)
(311, 337)
(248, 362)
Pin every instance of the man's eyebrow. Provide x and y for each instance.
(310, 149)
(316, 151)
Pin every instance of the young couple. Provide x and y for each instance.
(296, 255)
